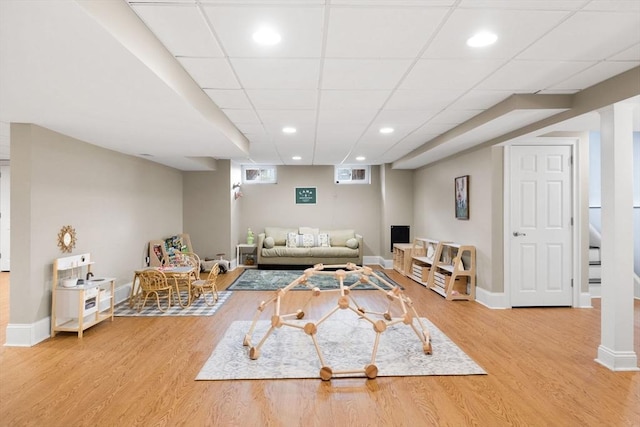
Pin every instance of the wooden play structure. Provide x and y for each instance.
(398, 303)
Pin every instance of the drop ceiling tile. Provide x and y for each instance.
(211, 73)
(277, 73)
(280, 118)
(254, 129)
(516, 29)
(432, 128)
(430, 3)
(599, 72)
(348, 134)
(265, 154)
(362, 74)
(403, 117)
(181, 28)
(353, 99)
(480, 99)
(346, 116)
(449, 73)
(373, 135)
(587, 36)
(540, 75)
(287, 150)
(299, 27)
(630, 54)
(304, 134)
(382, 32)
(454, 117)
(416, 138)
(229, 98)
(613, 5)
(271, 99)
(524, 4)
(434, 99)
(242, 116)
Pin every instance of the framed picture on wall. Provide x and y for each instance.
(306, 196)
(461, 194)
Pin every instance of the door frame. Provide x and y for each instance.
(576, 253)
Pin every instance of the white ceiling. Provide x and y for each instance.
(344, 69)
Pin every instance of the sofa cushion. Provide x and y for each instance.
(279, 234)
(269, 242)
(352, 243)
(308, 230)
(280, 251)
(333, 252)
(340, 237)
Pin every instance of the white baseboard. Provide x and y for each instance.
(617, 360)
(494, 300)
(636, 286)
(30, 334)
(377, 260)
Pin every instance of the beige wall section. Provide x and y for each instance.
(434, 215)
(115, 202)
(497, 220)
(397, 192)
(354, 206)
(207, 210)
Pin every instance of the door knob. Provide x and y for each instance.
(517, 234)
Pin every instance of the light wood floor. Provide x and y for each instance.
(140, 372)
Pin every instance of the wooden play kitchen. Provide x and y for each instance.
(79, 300)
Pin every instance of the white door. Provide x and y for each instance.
(541, 226)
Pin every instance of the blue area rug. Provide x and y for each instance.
(271, 280)
(197, 308)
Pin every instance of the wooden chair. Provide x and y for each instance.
(154, 283)
(207, 286)
(183, 283)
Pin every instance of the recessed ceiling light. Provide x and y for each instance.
(266, 36)
(386, 130)
(289, 129)
(360, 158)
(296, 158)
(481, 39)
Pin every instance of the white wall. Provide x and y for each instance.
(355, 206)
(115, 202)
(5, 218)
(434, 215)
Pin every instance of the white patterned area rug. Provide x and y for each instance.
(197, 308)
(345, 345)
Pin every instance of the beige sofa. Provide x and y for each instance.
(308, 246)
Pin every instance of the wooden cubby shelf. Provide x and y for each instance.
(445, 267)
(402, 258)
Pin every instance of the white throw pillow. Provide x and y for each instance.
(269, 242)
(308, 241)
(323, 240)
(352, 243)
(292, 240)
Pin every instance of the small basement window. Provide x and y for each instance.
(259, 175)
(348, 174)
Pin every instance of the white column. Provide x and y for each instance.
(616, 347)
